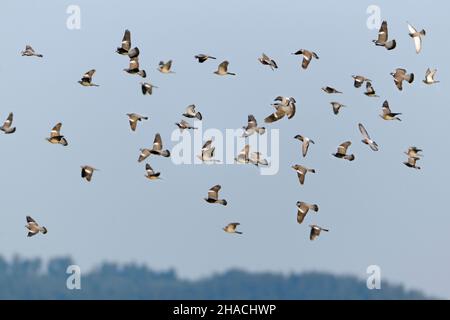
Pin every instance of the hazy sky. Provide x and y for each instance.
(378, 211)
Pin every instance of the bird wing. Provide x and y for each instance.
(302, 210)
(134, 63)
(207, 145)
(126, 40)
(305, 147)
(56, 130)
(134, 53)
(29, 48)
(301, 176)
(342, 149)
(383, 32)
(411, 29)
(133, 123)
(223, 67)
(251, 122)
(157, 143)
(190, 110)
(369, 88)
(89, 74)
(213, 193)
(291, 110)
(277, 115)
(30, 219)
(385, 108)
(8, 122)
(149, 169)
(363, 131)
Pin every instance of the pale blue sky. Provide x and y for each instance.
(397, 216)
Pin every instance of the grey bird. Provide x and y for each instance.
(7, 125)
(126, 43)
(305, 143)
(370, 91)
(301, 172)
(315, 231)
(330, 90)
(213, 196)
(203, 57)
(284, 106)
(429, 76)
(417, 37)
(303, 209)
(184, 125)
(243, 156)
(151, 174)
(359, 81)
(29, 52)
(366, 138)
(257, 159)
(33, 227)
(265, 60)
(147, 88)
(86, 80)
(411, 163)
(134, 118)
(222, 69)
(192, 113)
(207, 153)
(337, 107)
(133, 67)
(87, 172)
(231, 228)
(252, 127)
(401, 75)
(307, 57)
(56, 137)
(157, 149)
(387, 114)
(341, 152)
(383, 38)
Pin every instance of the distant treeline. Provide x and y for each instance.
(32, 279)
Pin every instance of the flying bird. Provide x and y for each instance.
(301, 172)
(400, 75)
(341, 152)
(265, 60)
(252, 127)
(56, 137)
(203, 57)
(417, 37)
(184, 125)
(370, 91)
(133, 67)
(383, 38)
(336, 107)
(315, 231)
(213, 196)
(284, 107)
(307, 57)
(429, 76)
(231, 228)
(207, 153)
(387, 114)
(86, 80)
(157, 149)
(87, 172)
(165, 67)
(222, 69)
(6, 127)
(33, 227)
(191, 113)
(133, 118)
(126, 43)
(29, 52)
(303, 208)
(151, 174)
(147, 88)
(359, 80)
(366, 138)
(330, 90)
(305, 143)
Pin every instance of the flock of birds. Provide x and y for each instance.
(284, 107)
